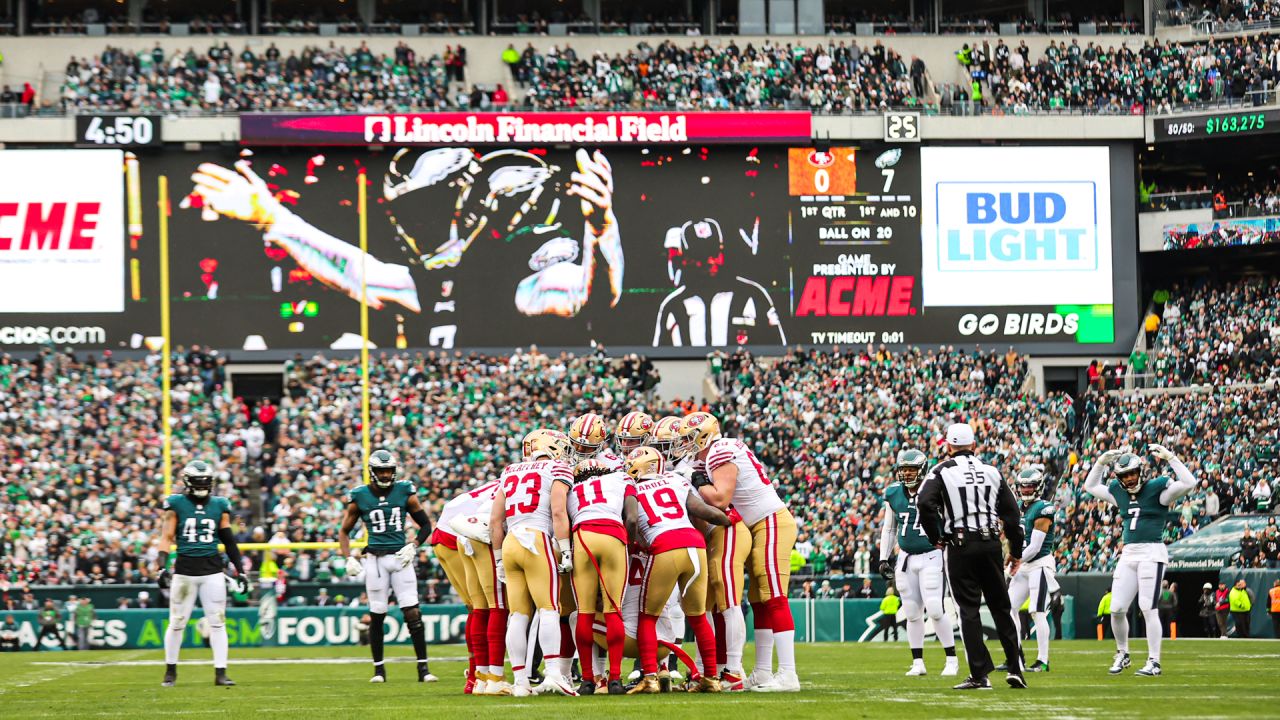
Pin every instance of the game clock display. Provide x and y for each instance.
(118, 130)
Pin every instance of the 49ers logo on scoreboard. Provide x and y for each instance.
(822, 172)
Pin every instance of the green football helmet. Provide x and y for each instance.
(1029, 483)
(909, 468)
(1128, 470)
(197, 476)
(382, 469)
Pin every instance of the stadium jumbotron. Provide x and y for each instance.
(357, 359)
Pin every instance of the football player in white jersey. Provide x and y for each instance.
(530, 523)
(599, 503)
(589, 437)
(455, 552)
(737, 478)
(677, 559)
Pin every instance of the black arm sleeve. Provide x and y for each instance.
(929, 503)
(424, 526)
(232, 549)
(1007, 508)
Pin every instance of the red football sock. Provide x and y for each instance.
(647, 643)
(722, 646)
(760, 616)
(778, 611)
(586, 637)
(480, 654)
(566, 639)
(617, 636)
(706, 640)
(498, 636)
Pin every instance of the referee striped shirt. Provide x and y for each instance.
(964, 493)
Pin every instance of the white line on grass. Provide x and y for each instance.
(235, 661)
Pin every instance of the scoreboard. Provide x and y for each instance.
(674, 247)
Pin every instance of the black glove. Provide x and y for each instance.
(886, 570)
(163, 579)
(699, 479)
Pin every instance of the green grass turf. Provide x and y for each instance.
(1204, 678)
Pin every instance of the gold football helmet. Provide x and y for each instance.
(698, 431)
(666, 438)
(588, 434)
(645, 461)
(545, 443)
(634, 429)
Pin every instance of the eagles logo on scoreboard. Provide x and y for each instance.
(822, 172)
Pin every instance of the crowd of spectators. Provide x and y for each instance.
(1218, 332)
(1221, 15)
(1255, 195)
(318, 78)
(80, 451)
(1154, 78)
(827, 77)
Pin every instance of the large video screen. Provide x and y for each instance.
(677, 247)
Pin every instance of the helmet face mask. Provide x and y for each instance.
(588, 434)
(383, 469)
(909, 468)
(1128, 471)
(635, 429)
(197, 476)
(697, 432)
(1028, 484)
(666, 438)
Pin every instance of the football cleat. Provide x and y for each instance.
(170, 676)
(469, 687)
(1002, 667)
(705, 684)
(730, 682)
(1016, 681)
(615, 688)
(972, 683)
(664, 680)
(634, 676)
(952, 668)
(1038, 666)
(648, 685)
(521, 689)
(1119, 663)
(427, 677)
(1151, 669)
(587, 688)
(917, 669)
(783, 681)
(757, 678)
(555, 683)
(378, 679)
(499, 687)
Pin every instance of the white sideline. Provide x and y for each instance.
(237, 661)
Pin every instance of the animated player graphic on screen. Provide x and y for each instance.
(710, 306)
(443, 204)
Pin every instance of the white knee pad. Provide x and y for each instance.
(931, 587)
(217, 618)
(912, 610)
(178, 621)
(378, 606)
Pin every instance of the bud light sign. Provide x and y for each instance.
(1016, 226)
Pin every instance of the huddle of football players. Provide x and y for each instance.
(578, 549)
(605, 541)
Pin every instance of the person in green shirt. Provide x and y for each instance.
(384, 506)
(196, 521)
(889, 614)
(1143, 506)
(84, 617)
(1036, 580)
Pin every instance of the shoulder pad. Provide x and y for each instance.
(168, 502)
(408, 486)
(1048, 510)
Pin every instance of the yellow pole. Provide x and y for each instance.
(166, 408)
(364, 320)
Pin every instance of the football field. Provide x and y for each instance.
(1204, 678)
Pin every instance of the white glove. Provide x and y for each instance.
(566, 556)
(499, 571)
(238, 194)
(355, 568)
(407, 554)
(1161, 452)
(1109, 457)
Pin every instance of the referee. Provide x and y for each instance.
(962, 503)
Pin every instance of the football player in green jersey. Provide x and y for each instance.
(919, 571)
(1143, 508)
(1036, 578)
(197, 520)
(383, 505)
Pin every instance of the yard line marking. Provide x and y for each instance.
(234, 662)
